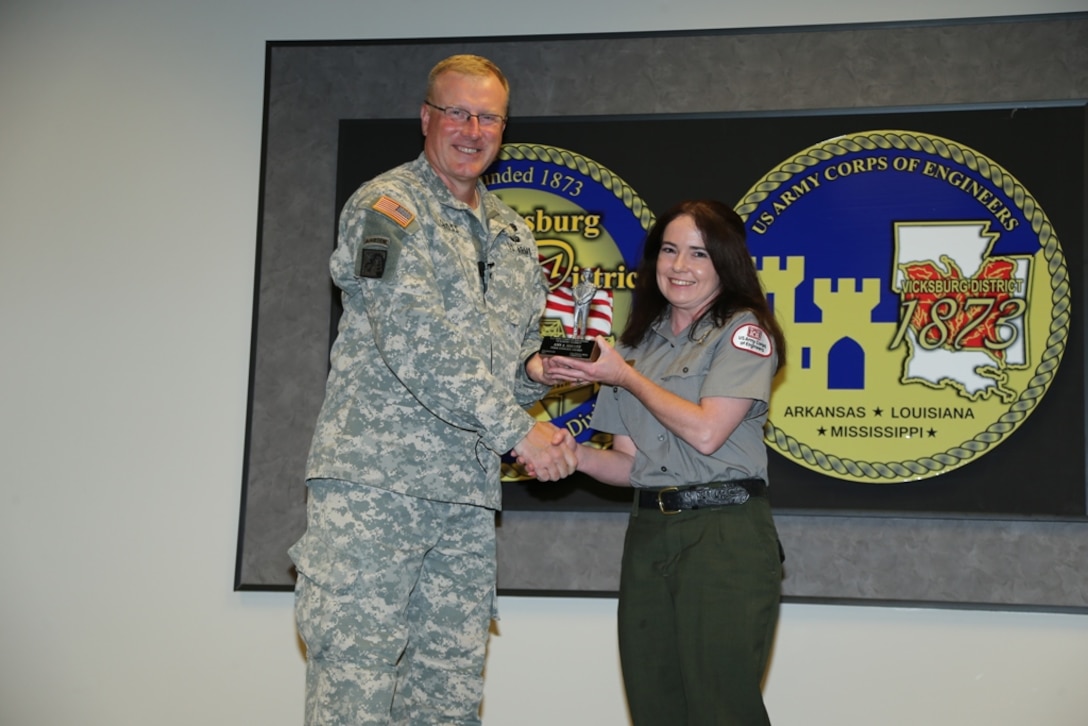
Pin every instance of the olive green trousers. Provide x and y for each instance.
(698, 607)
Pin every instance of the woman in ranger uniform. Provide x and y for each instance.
(685, 395)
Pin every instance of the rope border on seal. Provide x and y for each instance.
(584, 166)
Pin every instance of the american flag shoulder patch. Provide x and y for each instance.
(394, 210)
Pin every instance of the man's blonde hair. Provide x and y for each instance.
(469, 65)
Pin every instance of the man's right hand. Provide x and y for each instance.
(547, 452)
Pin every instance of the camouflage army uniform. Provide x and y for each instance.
(426, 390)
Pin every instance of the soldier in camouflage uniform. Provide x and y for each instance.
(433, 365)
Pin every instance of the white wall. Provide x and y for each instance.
(129, 160)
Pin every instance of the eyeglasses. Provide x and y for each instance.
(460, 115)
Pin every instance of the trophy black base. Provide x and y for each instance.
(580, 348)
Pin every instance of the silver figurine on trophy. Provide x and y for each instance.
(578, 345)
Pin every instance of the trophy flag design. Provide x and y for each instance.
(560, 306)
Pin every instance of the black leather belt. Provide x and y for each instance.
(673, 500)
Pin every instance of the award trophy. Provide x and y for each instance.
(578, 345)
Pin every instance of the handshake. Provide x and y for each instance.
(548, 452)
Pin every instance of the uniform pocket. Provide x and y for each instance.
(322, 563)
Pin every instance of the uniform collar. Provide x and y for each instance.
(422, 167)
(663, 327)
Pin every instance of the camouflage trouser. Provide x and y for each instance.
(394, 601)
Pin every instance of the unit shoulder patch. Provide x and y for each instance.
(373, 257)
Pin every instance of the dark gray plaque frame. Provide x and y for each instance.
(310, 86)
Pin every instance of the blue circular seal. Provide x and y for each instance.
(925, 298)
